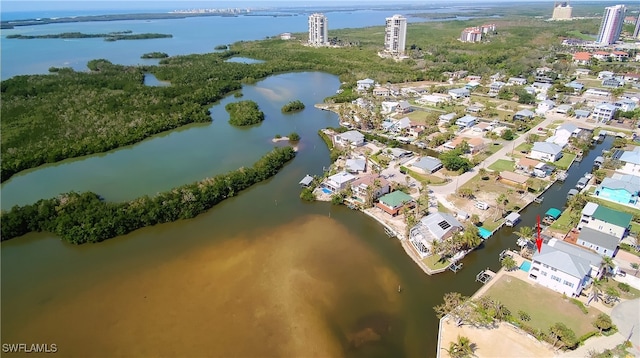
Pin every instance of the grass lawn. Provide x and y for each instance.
(491, 149)
(524, 146)
(442, 208)
(565, 161)
(425, 179)
(579, 35)
(502, 165)
(545, 307)
(632, 294)
(491, 225)
(434, 263)
(635, 227)
(564, 221)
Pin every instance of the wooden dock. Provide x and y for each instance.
(485, 276)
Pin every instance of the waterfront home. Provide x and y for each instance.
(623, 191)
(517, 81)
(603, 112)
(466, 122)
(577, 86)
(428, 164)
(527, 165)
(388, 107)
(355, 166)
(631, 160)
(600, 242)
(512, 219)
(612, 82)
(543, 170)
(549, 152)
(349, 138)
(457, 93)
(339, 181)
(545, 106)
(403, 107)
(364, 85)
(605, 220)
(447, 118)
(564, 268)
(401, 126)
(625, 105)
(563, 133)
(513, 179)
(394, 202)
(581, 113)
(373, 185)
(381, 91)
(399, 153)
(416, 129)
(523, 114)
(433, 227)
(306, 181)
(475, 144)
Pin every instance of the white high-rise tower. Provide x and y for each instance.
(611, 25)
(318, 30)
(395, 34)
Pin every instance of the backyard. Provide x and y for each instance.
(564, 162)
(434, 262)
(545, 307)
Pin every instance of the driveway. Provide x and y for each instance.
(626, 316)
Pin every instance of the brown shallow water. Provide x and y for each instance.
(280, 295)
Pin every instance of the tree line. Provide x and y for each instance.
(244, 113)
(79, 218)
(293, 106)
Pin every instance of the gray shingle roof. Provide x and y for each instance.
(598, 238)
(619, 184)
(439, 224)
(545, 147)
(428, 163)
(563, 261)
(593, 258)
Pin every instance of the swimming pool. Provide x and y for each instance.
(484, 233)
(326, 191)
(525, 266)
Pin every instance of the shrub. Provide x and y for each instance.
(294, 137)
(624, 287)
(277, 136)
(244, 113)
(586, 336)
(580, 305)
(293, 106)
(336, 199)
(307, 194)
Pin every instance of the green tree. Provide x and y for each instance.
(611, 295)
(524, 316)
(636, 267)
(294, 137)
(461, 348)
(509, 263)
(307, 194)
(603, 322)
(470, 238)
(507, 134)
(600, 174)
(453, 161)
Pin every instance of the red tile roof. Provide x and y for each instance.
(581, 56)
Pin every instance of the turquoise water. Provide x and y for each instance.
(484, 233)
(525, 266)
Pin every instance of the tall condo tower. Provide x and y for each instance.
(318, 30)
(561, 11)
(395, 34)
(636, 32)
(611, 25)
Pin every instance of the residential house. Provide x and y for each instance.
(355, 166)
(597, 93)
(632, 96)
(527, 165)
(548, 152)
(600, 242)
(338, 182)
(474, 78)
(495, 87)
(619, 56)
(600, 55)
(364, 85)
(631, 160)
(545, 106)
(605, 74)
(582, 72)
(582, 113)
(514, 179)
(401, 126)
(559, 271)
(416, 129)
(471, 85)
(457, 93)
(517, 81)
(563, 268)
(612, 82)
(483, 127)
(433, 99)
(624, 190)
(374, 185)
(466, 122)
(381, 91)
(582, 58)
(306, 181)
(399, 153)
(403, 107)
(350, 138)
(476, 108)
(577, 86)
(388, 106)
(563, 108)
(394, 202)
(541, 87)
(625, 105)
(603, 112)
(428, 164)
(530, 90)
(631, 77)
(475, 144)
(523, 114)
(563, 133)
(542, 70)
(496, 77)
(605, 220)
(447, 118)
(543, 170)
(433, 227)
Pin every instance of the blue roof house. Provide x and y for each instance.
(619, 191)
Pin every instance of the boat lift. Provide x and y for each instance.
(485, 276)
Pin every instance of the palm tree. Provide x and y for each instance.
(527, 233)
(461, 348)
(470, 238)
(596, 291)
(508, 263)
(607, 265)
(611, 295)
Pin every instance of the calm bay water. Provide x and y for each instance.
(261, 274)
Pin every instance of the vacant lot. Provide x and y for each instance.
(545, 307)
(502, 165)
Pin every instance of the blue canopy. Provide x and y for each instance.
(554, 213)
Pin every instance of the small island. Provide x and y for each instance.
(221, 47)
(244, 113)
(111, 36)
(155, 55)
(293, 106)
(292, 137)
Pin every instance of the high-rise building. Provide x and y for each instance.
(318, 30)
(395, 34)
(636, 32)
(471, 34)
(561, 11)
(611, 25)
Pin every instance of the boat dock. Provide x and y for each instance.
(485, 276)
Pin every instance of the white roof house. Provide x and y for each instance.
(447, 117)
(428, 164)
(466, 121)
(549, 152)
(563, 133)
(355, 165)
(339, 181)
(433, 227)
(363, 85)
(388, 106)
(625, 105)
(631, 160)
(604, 112)
(459, 93)
(544, 106)
(524, 113)
(350, 138)
(517, 81)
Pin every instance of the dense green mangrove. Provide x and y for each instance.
(81, 218)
